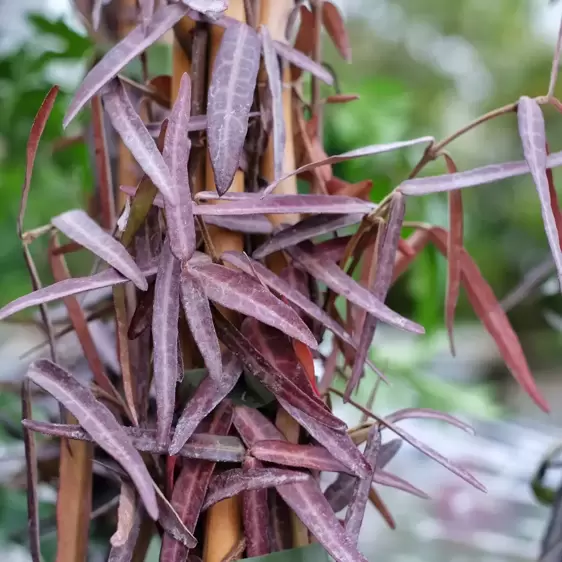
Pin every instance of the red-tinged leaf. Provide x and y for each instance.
(415, 244)
(124, 552)
(191, 488)
(126, 512)
(351, 155)
(387, 241)
(333, 249)
(306, 360)
(329, 272)
(179, 217)
(121, 54)
(72, 286)
(99, 422)
(299, 59)
(275, 381)
(380, 506)
(200, 320)
(428, 413)
(172, 523)
(494, 319)
(356, 512)
(241, 292)
(137, 139)
(202, 446)
(165, 337)
(454, 247)
(533, 139)
(335, 26)
(554, 200)
(209, 393)
(255, 515)
(235, 481)
(304, 498)
(273, 70)
(306, 229)
(78, 226)
(32, 478)
(231, 93)
(392, 481)
(35, 134)
(80, 325)
(342, 98)
(280, 522)
(314, 457)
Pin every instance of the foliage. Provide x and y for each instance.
(187, 295)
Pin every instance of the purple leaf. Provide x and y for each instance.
(172, 523)
(241, 292)
(299, 59)
(273, 70)
(337, 280)
(389, 236)
(392, 481)
(69, 287)
(231, 93)
(121, 54)
(255, 516)
(533, 139)
(78, 226)
(210, 8)
(204, 446)
(99, 422)
(280, 204)
(165, 337)
(306, 229)
(270, 377)
(200, 321)
(208, 394)
(314, 457)
(235, 481)
(179, 217)
(190, 488)
(255, 224)
(146, 12)
(356, 512)
(280, 286)
(304, 498)
(351, 155)
(137, 139)
(428, 413)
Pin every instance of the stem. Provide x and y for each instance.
(317, 106)
(555, 63)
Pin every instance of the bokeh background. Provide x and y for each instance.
(421, 67)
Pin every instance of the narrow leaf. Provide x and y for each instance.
(78, 226)
(273, 70)
(383, 478)
(231, 93)
(533, 138)
(125, 552)
(126, 513)
(209, 393)
(255, 515)
(306, 229)
(146, 12)
(238, 291)
(121, 54)
(351, 155)
(356, 512)
(270, 377)
(300, 60)
(428, 413)
(179, 217)
(387, 248)
(200, 321)
(494, 319)
(137, 139)
(335, 26)
(235, 481)
(337, 280)
(304, 498)
(314, 457)
(172, 523)
(165, 337)
(98, 421)
(71, 286)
